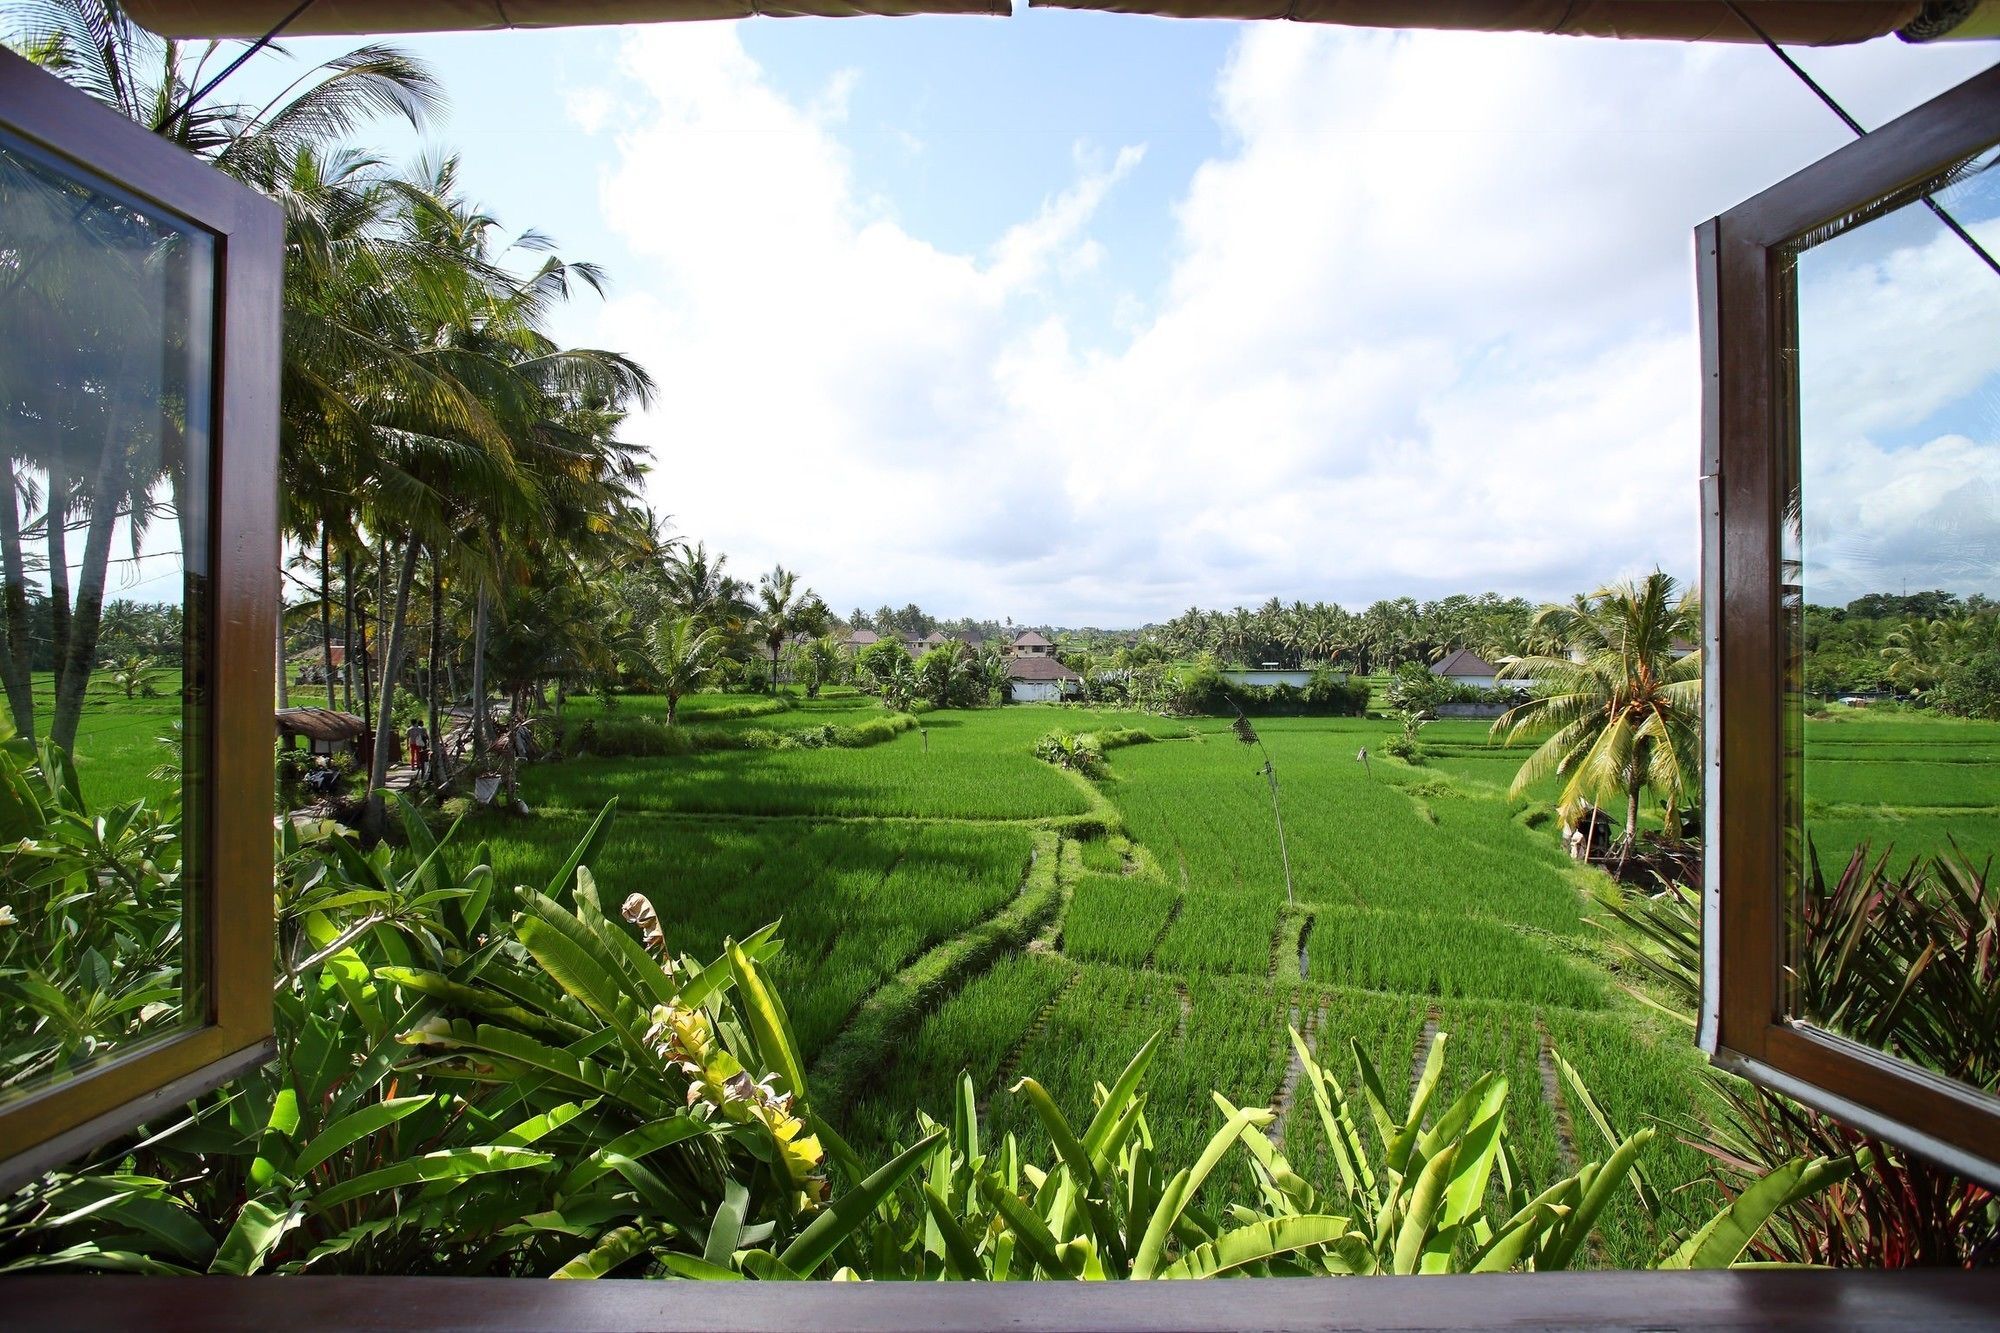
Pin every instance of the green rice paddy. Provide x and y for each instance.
(951, 903)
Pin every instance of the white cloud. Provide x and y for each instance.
(1899, 358)
(1426, 326)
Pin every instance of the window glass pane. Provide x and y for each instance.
(1894, 595)
(106, 315)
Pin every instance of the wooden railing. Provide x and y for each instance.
(1927, 1301)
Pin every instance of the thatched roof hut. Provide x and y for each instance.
(324, 729)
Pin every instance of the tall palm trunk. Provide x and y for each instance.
(75, 667)
(13, 566)
(326, 616)
(367, 685)
(479, 680)
(392, 663)
(436, 763)
(347, 625)
(284, 686)
(55, 519)
(1631, 837)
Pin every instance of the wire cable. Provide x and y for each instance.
(1946, 218)
(180, 112)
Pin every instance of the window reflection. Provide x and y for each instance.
(105, 345)
(1893, 599)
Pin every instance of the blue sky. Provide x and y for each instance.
(1084, 319)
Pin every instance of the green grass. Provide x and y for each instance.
(1451, 956)
(898, 779)
(1911, 782)
(1115, 918)
(117, 739)
(858, 901)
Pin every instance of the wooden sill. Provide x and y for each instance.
(1930, 1300)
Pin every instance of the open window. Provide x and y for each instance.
(139, 348)
(1851, 356)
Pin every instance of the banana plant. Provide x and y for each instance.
(1105, 1208)
(458, 1090)
(1425, 1191)
(1420, 1190)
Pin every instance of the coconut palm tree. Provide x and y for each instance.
(93, 45)
(819, 662)
(1915, 652)
(1616, 711)
(683, 655)
(783, 610)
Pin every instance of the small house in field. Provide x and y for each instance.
(862, 638)
(1041, 680)
(325, 731)
(1030, 644)
(1465, 667)
(309, 666)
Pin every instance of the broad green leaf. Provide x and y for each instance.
(761, 947)
(1721, 1242)
(1473, 1169)
(259, 1226)
(1597, 1192)
(767, 1267)
(1514, 1243)
(768, 1027)
(1420, 1211)
(1153, 1241)
(1083, 1171)
(835, 1222)
(635, 1145)
(686, 1265)
(583, 851)
(1028, 1230)
(1396, 1155)
(1256, 1243)
(354, 1126)
(618, 1246)
(1122, 1092)
(274, 1149)
(961, 1254)
(1649, 1198)
(447, 1164)
(728, 1222)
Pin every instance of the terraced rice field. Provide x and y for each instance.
(950, 903)
(1909, 785)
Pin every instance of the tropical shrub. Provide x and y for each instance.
(648, 737)
(1068, 750)
(1200, 689)
(460, 1089)
(1429, 1188)
(91, 943)
(1909, 964)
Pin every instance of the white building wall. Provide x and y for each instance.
(1037, 691)
(1267, 676)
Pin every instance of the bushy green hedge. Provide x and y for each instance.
(1202, 689)
(649, 737)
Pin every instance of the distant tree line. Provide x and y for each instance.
(1932, 647)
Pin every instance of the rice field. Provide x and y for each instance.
(1910, 785)
(950, 903)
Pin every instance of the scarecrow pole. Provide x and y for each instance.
(1248, 735)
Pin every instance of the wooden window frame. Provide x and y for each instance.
(229, 942)
(1749, 447)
